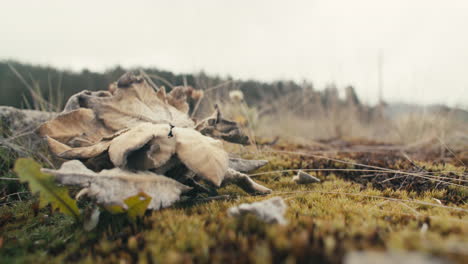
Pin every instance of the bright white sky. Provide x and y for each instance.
(424, 42)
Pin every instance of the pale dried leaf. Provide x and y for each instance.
(65, 152)
(78, 128)
(160, 146)
(134, 104)
(243, 165)
(161, 94)
(112, 187)
(78, 100)
(178, 98)
(203, 155)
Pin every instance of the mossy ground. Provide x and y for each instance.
(326, 220)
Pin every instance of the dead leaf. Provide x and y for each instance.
(201, 154)
(78, 128)
(112, 187)
(160, 146)
(243, 165)
(66, 152)
(136, 103)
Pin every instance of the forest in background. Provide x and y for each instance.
(52, 82)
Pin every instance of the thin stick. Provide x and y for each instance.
(160, 79)
(451, 152)
(366, 166)
(292, 170)
(9, 179)
(352, 170)
(197, 105)
(11, 194)
(217, 86)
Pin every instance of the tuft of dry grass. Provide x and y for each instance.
(310, 117)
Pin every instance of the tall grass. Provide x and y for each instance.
(315, 117)
(50, 99)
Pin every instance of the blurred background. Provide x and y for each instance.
(307, 71)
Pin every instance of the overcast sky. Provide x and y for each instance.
(424, 42)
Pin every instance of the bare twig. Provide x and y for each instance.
(9, 179)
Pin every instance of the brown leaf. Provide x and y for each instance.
(178, 98)
(134, 104)
(78, 128)
(66, 152)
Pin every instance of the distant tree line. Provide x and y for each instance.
(18, 79)
(51, 81)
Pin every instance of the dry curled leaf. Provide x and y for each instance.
(78, 128)
(152, 141)
(133, 104)
(243, 165)
(201, 154)
(66, 152)
(136, 126)
(112, 187)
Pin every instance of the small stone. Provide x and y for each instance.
(270, 211)
(304, 178)
(39, 242)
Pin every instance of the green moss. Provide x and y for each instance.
(326, 220)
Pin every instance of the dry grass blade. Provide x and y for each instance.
(9, 179)
(310, 170)
(428, 177)
(40, 103)
(350, 170)
(197, 105)
(159, 78)
(451, 151)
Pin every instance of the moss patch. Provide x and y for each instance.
(326, 220)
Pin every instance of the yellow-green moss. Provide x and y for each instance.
(326, 220)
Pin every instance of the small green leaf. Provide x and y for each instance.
(114, 209)
(30, 171)
(137, 205)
